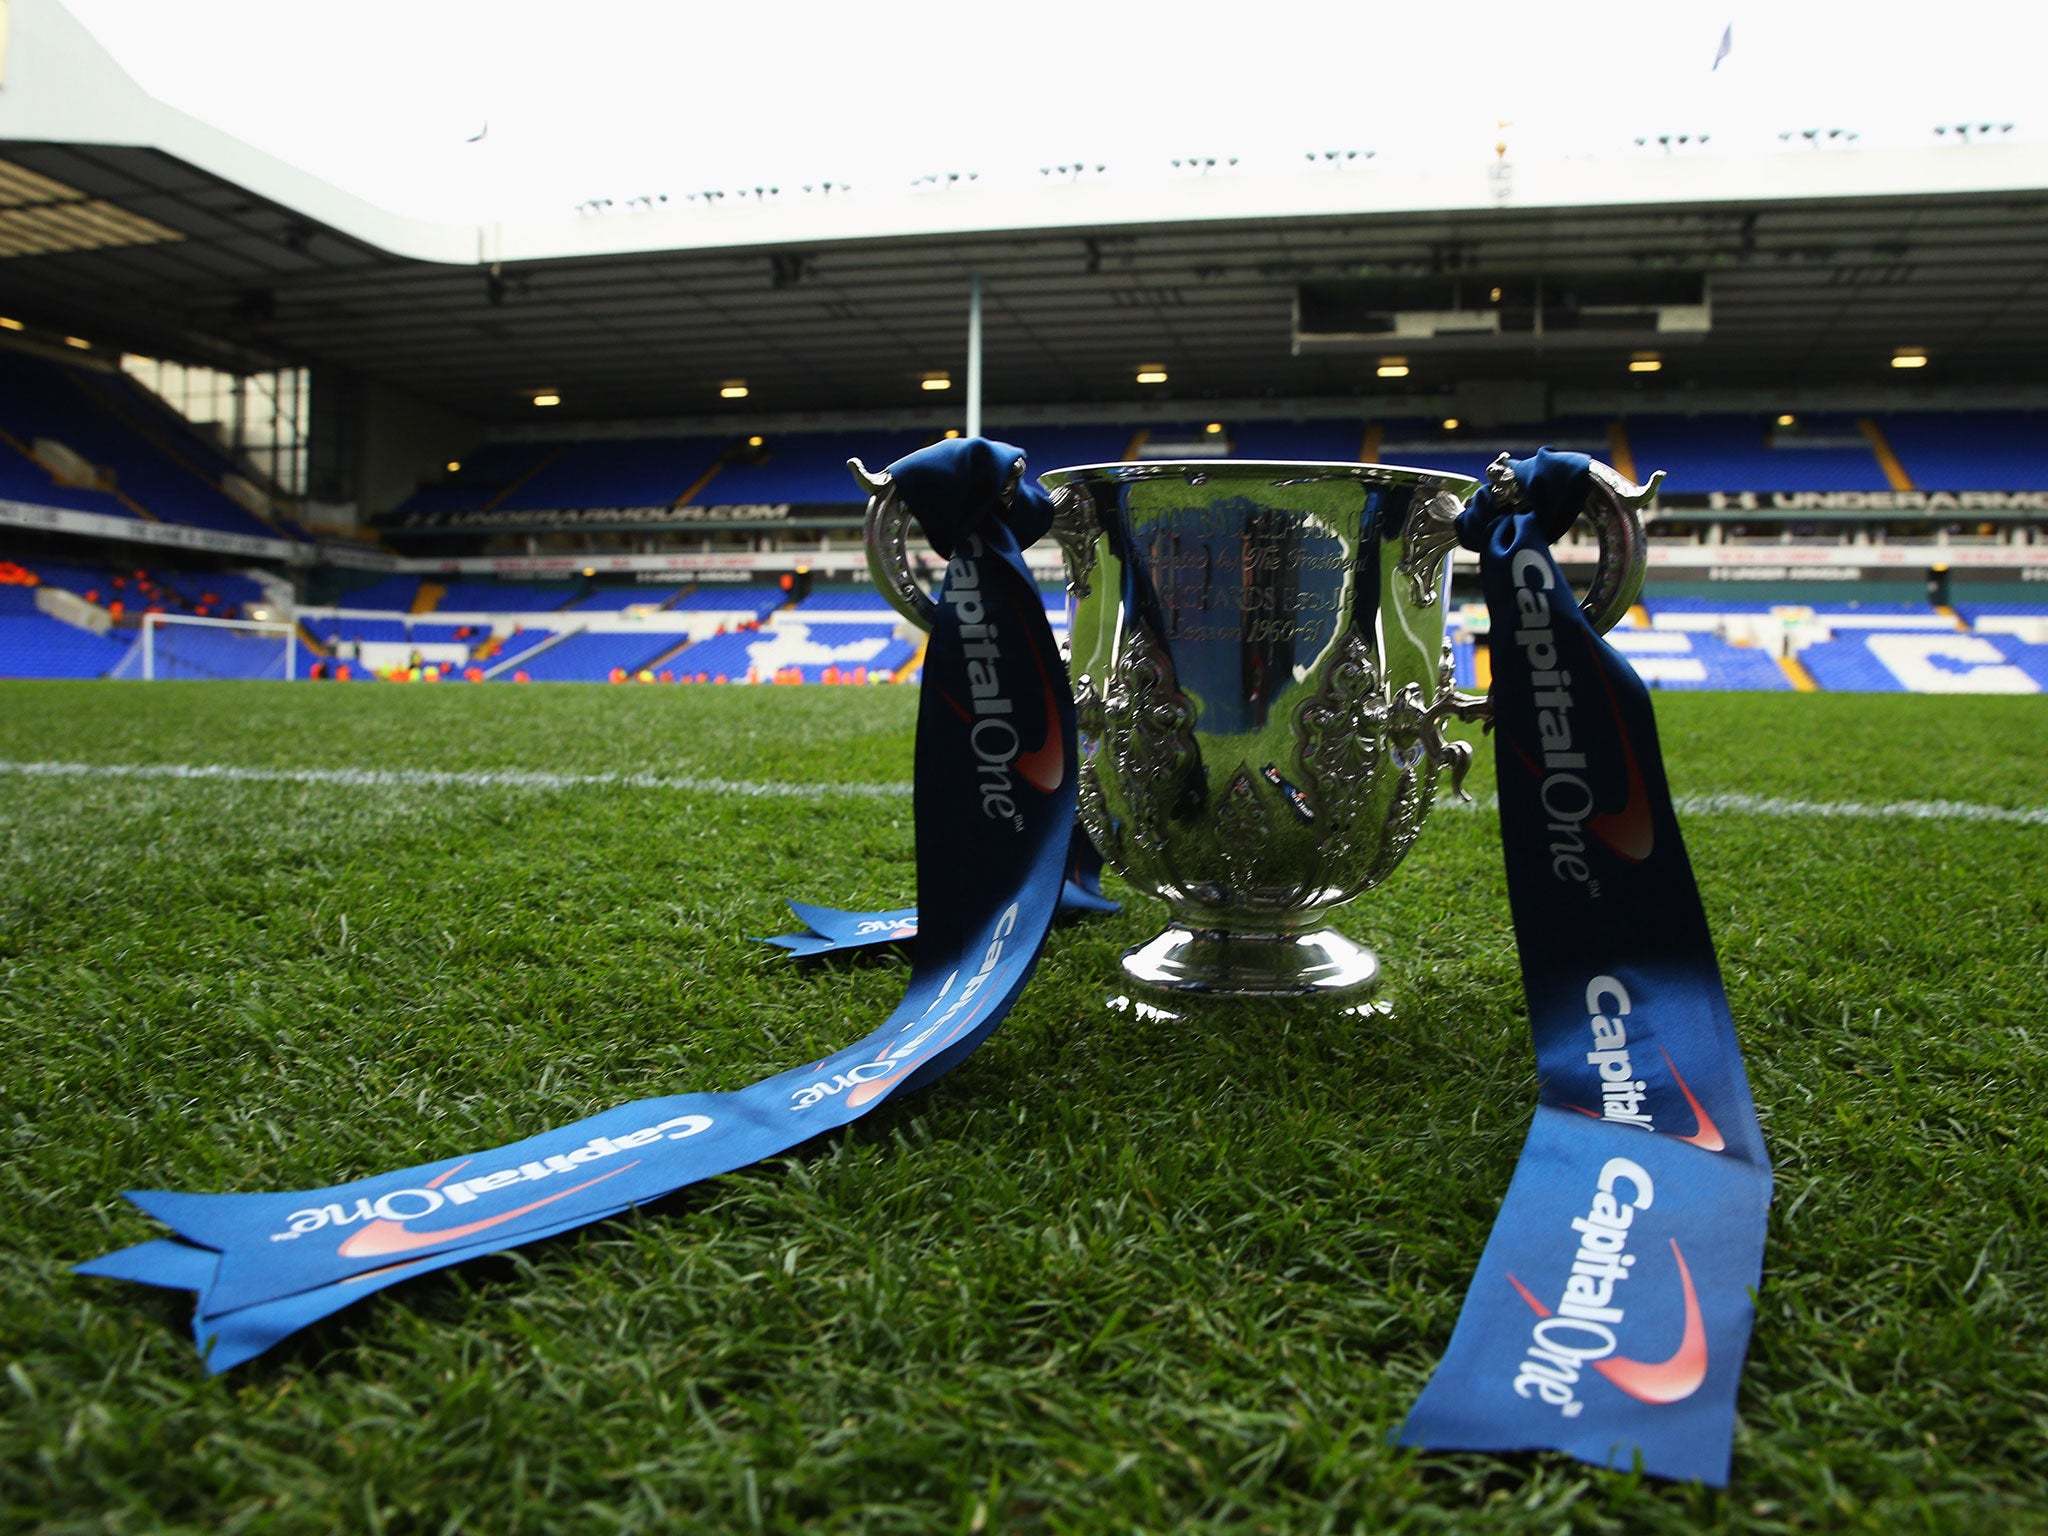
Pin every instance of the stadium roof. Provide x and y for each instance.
(132, 225)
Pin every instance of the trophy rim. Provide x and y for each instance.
(1328, 469)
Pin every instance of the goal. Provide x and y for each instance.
(176, 646)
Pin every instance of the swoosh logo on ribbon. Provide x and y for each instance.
(1048, 765)
(1655, 1381)
(381, 1237)
(1709, 1134)
(1628, 831)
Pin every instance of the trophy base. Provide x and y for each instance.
(1252, 964)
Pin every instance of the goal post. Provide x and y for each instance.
(178, 646)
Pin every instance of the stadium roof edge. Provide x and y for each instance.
(63, 87)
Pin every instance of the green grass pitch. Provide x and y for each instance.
(1111, 1275)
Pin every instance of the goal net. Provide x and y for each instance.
(176, 646)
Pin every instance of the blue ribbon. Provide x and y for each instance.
(832, 930)
(1612, 1306)
(993, 857)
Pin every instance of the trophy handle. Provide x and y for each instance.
(885, 533)
(1615, 504)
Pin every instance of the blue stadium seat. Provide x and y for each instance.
(588, 658)
(613, 599)
(1921, 661)
(1975, 611)
(756, 602)
(35, 645)
(503, 597)
(1678, 659)
(327, 631)
(1971, 450)
(851, 600)
(810, 469)
(811, 648)
(1733, 453)
(621, 472)
(158, 461)
(1321, 442)
(395, 593)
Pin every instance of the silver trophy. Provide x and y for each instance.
(1262, 681)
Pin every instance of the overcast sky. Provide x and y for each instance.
(619, 98)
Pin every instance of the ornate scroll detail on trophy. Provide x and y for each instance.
(1151, 738)
(1341, 730)
(1090, 718)
(1073, 527)
(1245, 842)
(1409, 720)
(1431, 535)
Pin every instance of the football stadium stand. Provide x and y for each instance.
(592, 658)
(852, 604)
(1677, 659)
(137, 457)
(810, 649)
(1747, 453)
(1971, 450)
(217, 594)
(392, 594)
(1926, 663)
(616, 599)
(754, 602)
(1708, 452)
(502, 597)
(33, 644)
(388, 631)
(146, 465)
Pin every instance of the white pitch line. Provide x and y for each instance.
(1856, 810)
(1769, 806)
(1779, 807)
(433, 778)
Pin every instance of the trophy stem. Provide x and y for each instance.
(1241, 964)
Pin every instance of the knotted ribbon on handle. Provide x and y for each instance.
(1612, 1304)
